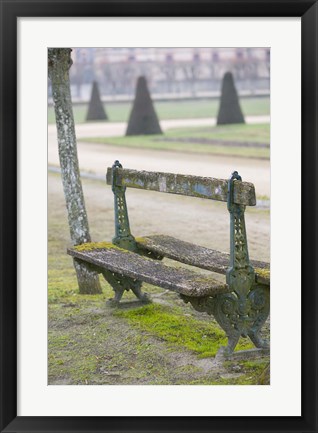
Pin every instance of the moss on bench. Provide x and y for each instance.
(195, 255)
(90, 246)
(107, 257)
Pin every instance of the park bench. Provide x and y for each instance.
(240, 304)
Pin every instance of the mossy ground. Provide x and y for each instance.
(180, 329)
(90, 343)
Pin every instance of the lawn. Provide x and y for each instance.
(189, 109)
(164, 343)
(238, 140)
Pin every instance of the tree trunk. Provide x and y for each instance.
(59, 62)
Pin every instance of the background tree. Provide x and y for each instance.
(230, 110)
(143, 118)
(96, 109)
(59, 62)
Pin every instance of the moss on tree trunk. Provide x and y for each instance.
(59, 62)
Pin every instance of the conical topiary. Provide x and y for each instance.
(143, 118)
(95, 109)
(230, 110)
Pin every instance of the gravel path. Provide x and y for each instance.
(95, 158)
(117, 129)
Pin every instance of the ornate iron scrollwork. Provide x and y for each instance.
(237, 316)
(123, 239)
(244, 310)
(120, 283)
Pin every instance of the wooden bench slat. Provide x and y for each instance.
(198, 256)
(151, 271)
(194, 186)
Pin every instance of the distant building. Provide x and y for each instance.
(169, 71)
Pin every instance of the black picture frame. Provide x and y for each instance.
(10, 11)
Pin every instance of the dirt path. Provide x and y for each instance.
(113, 129)
(97, 157)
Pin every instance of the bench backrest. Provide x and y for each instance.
(194, 186)
(236, 193)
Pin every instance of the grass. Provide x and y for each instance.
(171, 325)
(257, 133)
(91, 344)
(250, 374)
(202, 108)
(86, 346)
(188, 140)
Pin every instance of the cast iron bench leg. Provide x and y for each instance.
(136, 289)
(260, 300)
(258, 340)
(238, 314)
(120, 283)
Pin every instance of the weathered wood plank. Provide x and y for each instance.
(150, 271)
(194, 186)
(198, 256)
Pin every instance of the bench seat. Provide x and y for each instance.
(195, 255)
(133, 265)
(240, 305)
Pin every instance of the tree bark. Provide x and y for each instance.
(59, 63)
